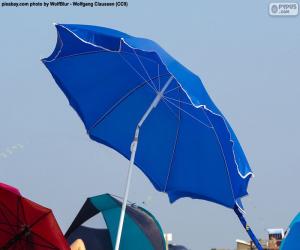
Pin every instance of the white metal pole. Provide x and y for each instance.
(133, 149)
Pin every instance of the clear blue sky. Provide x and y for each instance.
(249, 63)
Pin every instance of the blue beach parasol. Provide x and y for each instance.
(137, 99)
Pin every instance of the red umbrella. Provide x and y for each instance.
(25, 224)
(10, 188)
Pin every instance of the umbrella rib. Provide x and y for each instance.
(4, 231)
(50, 245)
(36, 222)
(15, 246)
(138, 73)
(147, 73)
(39, 219)
(158, 77)
(18, 210)
(118, 52)
(118, 102)
(5, 217)
(224, 158)
(18, 206)
(192, 116)
(7, 224)
(96, 52)
(172, 99)
(177, 87)
(174, 148)
(168, 106)
(23, 211)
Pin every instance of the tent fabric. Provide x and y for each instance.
(94, 239)
(292, 238)
(186, 147)
(176, 247)
(141, 229)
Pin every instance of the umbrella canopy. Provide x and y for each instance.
(27, 225)
(292, 238)
(9, 188)
(186, 147)
(128, 90)
(141, 229)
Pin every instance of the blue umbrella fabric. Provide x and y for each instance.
(292, 238)
(186, 146)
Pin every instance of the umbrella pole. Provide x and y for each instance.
(247, 228)
(133, 149)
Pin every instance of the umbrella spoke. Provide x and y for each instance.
(170, 90)
(47, 244)
(179, 101)
(4, 231)
(118, 102)
(186, 112)
(158, 77)
(143, 66)
(5, 217)
(23, 211)
(136, 71)
(171, 110)
(39, 219)
(174, 148)
(18, 210)
(222, 151)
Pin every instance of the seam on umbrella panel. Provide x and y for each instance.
(227, 170)
(18, 210)
(39, 219)
(195, 118)
(174, 148)
(96, 52)
(4, 215)
(94, 45)
(169, 107)
(117, 103)
(123, 39)
(25, 219)
(147, 73)
(43, 239)
(138, 73)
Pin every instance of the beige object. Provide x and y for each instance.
(243, 245)
(273, 244)
(168, 238)
(78, 245)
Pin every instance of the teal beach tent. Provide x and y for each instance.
(141, 230)
(292, 238)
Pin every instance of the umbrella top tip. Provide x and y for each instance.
(55, 23)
